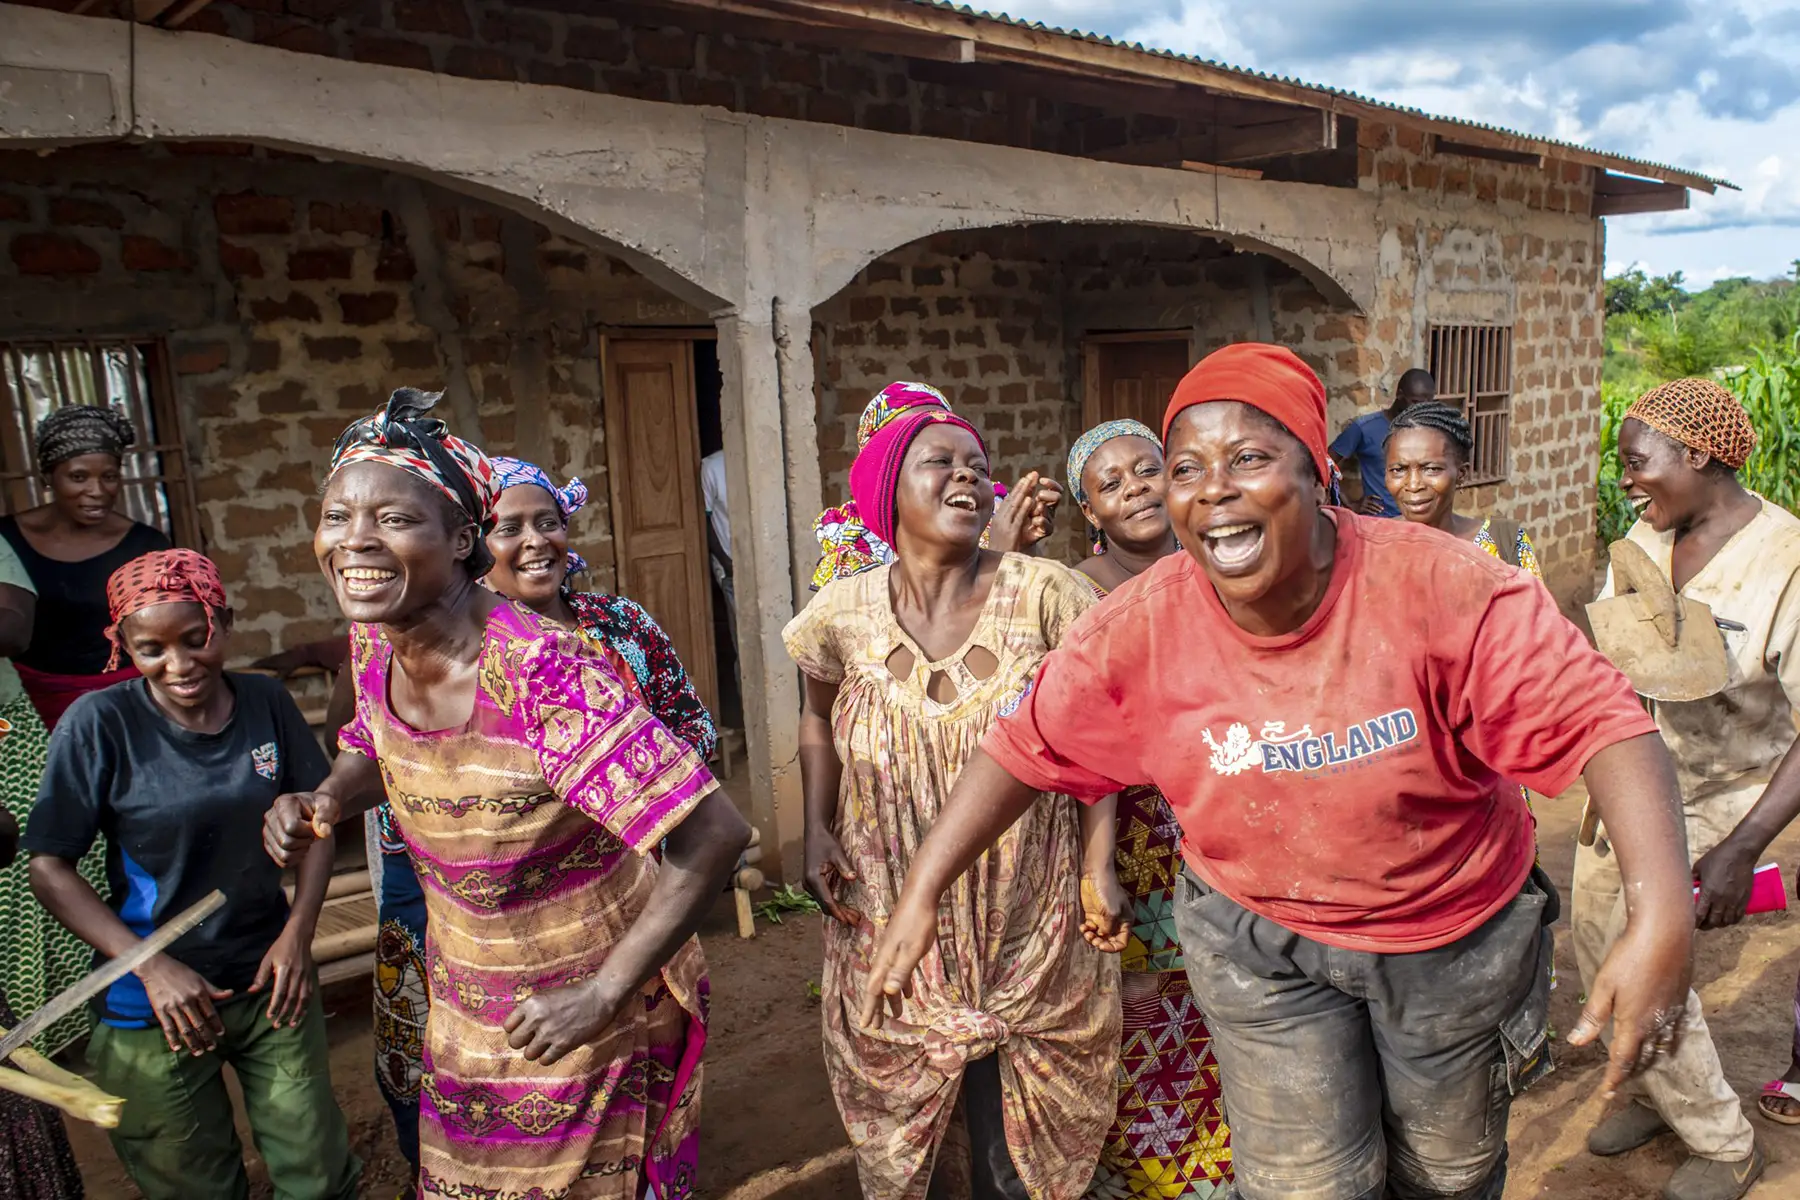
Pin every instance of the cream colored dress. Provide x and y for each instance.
(1010, 974)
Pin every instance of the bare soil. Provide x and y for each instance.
(772, 1133)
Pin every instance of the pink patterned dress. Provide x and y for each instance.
(531, 828)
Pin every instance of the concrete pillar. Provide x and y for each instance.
(800, 434)
(751, 406)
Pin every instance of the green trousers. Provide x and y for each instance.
(177, 1137)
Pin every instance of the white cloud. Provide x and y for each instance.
(1711, 85)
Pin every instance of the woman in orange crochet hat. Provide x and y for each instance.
(1680, 449)
(1334, 707)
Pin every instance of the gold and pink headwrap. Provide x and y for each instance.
(162, 577)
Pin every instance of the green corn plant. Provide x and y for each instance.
(1769, 388)
(1615, 514)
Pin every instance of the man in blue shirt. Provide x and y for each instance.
(1363, 443)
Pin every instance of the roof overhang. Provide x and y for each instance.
(1088, 68)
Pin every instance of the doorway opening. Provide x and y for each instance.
(709, 387)
(663, 428)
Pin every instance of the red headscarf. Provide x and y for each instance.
(1270, 378)
(162, 577)
(875, 475)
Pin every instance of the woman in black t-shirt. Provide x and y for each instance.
(177, 769)
(70, 548)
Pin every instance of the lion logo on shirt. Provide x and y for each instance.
(1237, 755)
(266, 758)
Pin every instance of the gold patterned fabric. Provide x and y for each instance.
(531, 829)
(1010, 975)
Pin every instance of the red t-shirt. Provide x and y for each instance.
(1344, 780)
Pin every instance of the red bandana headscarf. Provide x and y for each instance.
(402, 435)
(162, 577)
(1269, 378)
(875, 475)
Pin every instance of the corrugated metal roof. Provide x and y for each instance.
(1288, 80)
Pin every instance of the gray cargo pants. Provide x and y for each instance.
(1350, 1075)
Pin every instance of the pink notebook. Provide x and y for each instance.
(1768, 890)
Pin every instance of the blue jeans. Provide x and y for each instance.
(1350, 1075)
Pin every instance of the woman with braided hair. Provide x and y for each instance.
(529, 786)
(1680, 449)
(1429, 447)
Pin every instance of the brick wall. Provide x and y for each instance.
(995, 318)
(985, 329)
(1474, 241)
(293, 296)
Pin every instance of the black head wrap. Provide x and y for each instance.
(404, 435)
(82, 429)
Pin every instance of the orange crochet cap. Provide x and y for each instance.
(1701, 415)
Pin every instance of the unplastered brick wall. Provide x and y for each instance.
(985, 330)
(996, 318)
(293, 296)
(726, 63)
(1131, 279)
(1470, 241)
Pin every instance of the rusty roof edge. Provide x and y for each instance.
(1331, 97)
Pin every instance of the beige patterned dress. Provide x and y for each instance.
(1010, 974)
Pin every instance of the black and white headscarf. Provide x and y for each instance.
(82, 429)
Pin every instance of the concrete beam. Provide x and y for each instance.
(62, 79)
(628, 172)
(860, 211)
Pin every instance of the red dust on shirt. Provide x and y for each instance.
(1348, 780)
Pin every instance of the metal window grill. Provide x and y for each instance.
(37, 378)
(1472, 365)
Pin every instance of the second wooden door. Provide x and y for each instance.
(1131, 377)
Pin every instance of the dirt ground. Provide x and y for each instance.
(771, 1132)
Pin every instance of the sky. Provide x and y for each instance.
(1709, 85)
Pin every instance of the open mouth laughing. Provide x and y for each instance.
(1233, 548)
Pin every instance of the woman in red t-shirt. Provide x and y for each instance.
(1332, 706)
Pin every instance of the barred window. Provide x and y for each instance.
(37, 378)
(1472, 365)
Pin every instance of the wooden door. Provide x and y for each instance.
(1126, 375)
(653, 468)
